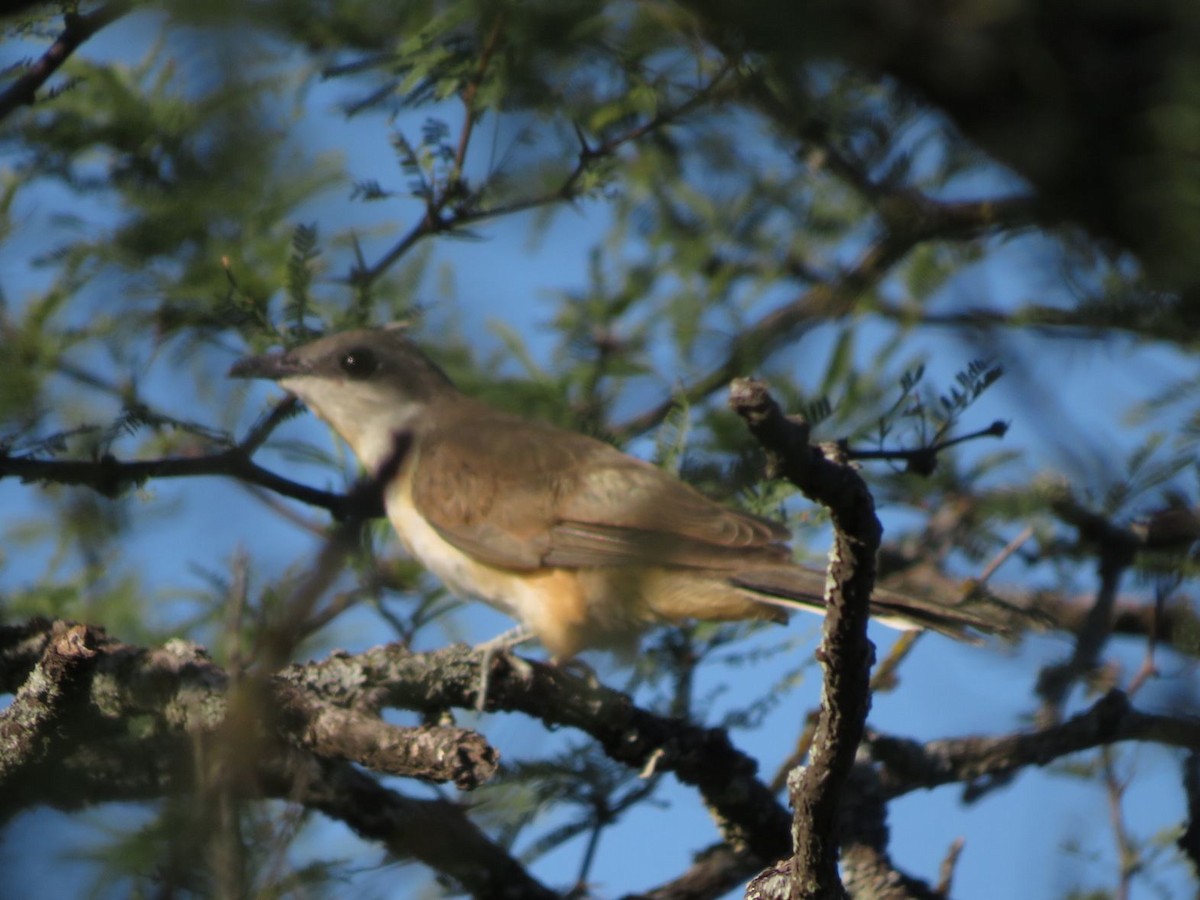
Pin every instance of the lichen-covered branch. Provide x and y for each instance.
(180, 688)
(746, 810)
(845, 653)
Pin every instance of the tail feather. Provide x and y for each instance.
(795, 587)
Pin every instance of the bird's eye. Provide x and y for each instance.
(359, 363)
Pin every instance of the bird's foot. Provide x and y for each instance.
(501, 643)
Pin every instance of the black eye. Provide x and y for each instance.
(359, 363)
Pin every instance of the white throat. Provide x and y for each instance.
(367, 419)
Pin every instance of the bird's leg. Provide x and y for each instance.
(504, 641)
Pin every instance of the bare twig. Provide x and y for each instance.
(909, 765)
(467, 95)
(282, 410)
(110, 476)
(1129, 860)
(1115, 549)
(1002, 557)
(1149, 669)
(923, 460)
(949, 864)
(454, 208)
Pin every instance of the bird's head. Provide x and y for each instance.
(369, 385)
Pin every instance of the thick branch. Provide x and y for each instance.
(319, 699)
(714, 872)
(845, 653)
(123, 767)
(45, 702)
(1189, 841)
(431, 753)
(864, 835)
(746, 810)
(437, 833)
(188, 694)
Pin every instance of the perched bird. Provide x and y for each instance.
(582, 544)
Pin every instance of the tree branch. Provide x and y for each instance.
(746, 810)
(187, 693)
(110, 477)
(1115, 549)
(845, 653)
(77, 29)
(714, 872)
(45, 702)
(1189, 841)
(921, 219)
(319, 698)
(863, 835)
(464, 206)
(431, 753)
(923, 460)
(910, 765)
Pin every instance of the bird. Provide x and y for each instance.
(585, 546)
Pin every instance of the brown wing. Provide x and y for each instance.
(553, 497)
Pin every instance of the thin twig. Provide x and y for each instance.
(111, 476)
(76, 30)
(920, 459)
(280, 411)
(949, 864)
(465, 210)
(1000, 558)
(470, 113)
(1128, 859)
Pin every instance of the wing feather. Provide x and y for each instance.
(563, 499)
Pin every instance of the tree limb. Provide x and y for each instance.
(110, 477)
(189, 694)
(746, 810)
(77, 29)
(909, 765)
(845, 653)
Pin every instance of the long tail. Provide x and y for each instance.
(795, 587)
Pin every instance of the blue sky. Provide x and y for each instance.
(1015, 837)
